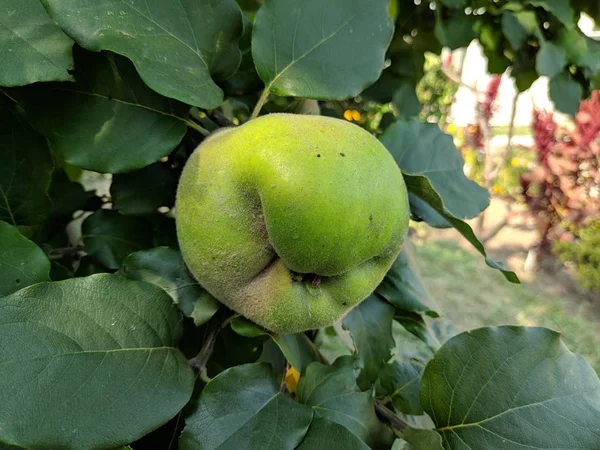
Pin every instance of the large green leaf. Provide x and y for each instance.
(164, 267)
(399, 383)
(321, 50)
(512, 387)
(324, 434)
(402, 285)
(332, 393)
(566, 93)
(109, 236)
(32, 47)
(22, 263)
(370, 325)
(108, 121)
(89, 363)
(581, 49)
(177, 46)
(144, 191)
(426, 155)
(513, 30)
(550, 60)
(243, 407)
(25, 170)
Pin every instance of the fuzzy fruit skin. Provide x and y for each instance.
(283, 193)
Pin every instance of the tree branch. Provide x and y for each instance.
(201, 359)
(58, 253)
(392, 419)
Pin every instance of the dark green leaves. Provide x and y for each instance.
(560, 8)
(22, 263)
(512, 387)
(244, 407)
(551, 59)
(109, 236)
(456, 32)
(370, 325)
(324, 434)
(321, 50)
(74, 374)
(332, 393)
(402, 286)
(25, 170)
(399, 383)
(108, 121)
(566, 93)
(32, 47)
(427, 156)
(178, 47)
(164, 267)
(144, 191)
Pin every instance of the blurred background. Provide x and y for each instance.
(542, 169)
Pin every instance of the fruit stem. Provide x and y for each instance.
(261, 102)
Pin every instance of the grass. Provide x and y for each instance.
(471, 295)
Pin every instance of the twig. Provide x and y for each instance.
(58, 253)
(393, 420)
(201, 359)
(220, 119)
(494, 231)
(261, 102)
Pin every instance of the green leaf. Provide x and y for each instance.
(428, 156)
(321, 50)
(246, 79)
(165, 268)
(332, 393)
(32, 47)
(108, 121)
(22, 263)
(370, 325)
(560, 8)
(243, 407)
(109, 236)
(565, 93)
(513, 30)
(512, 387)
(399, 383)
(106, 376)
(298, 350)
(550, 60)
(25, 170)
(324, 434)
(422, 439)
(402, 285)
(177, 47)
(581, 49)
(245, 327)
(456, 32)
(415, 324)
(467, 232)
(144, 191)
(405, 99)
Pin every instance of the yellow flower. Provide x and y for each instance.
(356, 115)
(514, 162)
(451, 128)
(348, 115)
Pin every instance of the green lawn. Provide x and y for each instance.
(471, 295)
